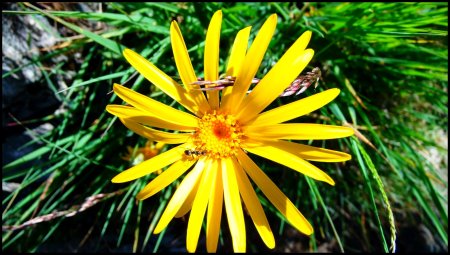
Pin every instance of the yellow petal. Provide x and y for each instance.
(158, 146)
(179, 196)
(290, 65)
(159, 109)
(236, 59)
(274, 83)
(155, 135)
(288, 159)
(153, 164)
(275, 195)
(161, 80)
(146, 118)
(187, 205)
(199, 207)
(251, 64)
(214, 214)
(254, 208)
(233, 205)
(185, 68)
(165, 178)
(309, 152)
(238, 51)
(298, 131)
(296, 109)
(211, 59)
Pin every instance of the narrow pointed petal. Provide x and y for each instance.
(164, 179)
(299, 131)
(275, 195)
(233, 205)
(149, 166)
(254, 208)
(187, 205)
(211, 59)
(290, 65)
(155, 135)
(236, 59)
(251, 64)
(296, 109)
(146, 118)
(238, 51)
(309, 152)
(185, 68)
(214, 214)
(288, 159)
(274, 83)
(180, 196)
(157, 108)
(199, 207)
(181, 55)
(161, 80)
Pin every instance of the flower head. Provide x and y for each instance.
(136, 156)
(221, 129)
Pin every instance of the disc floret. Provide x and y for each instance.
(219, 135)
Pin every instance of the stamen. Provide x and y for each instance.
(218, 135)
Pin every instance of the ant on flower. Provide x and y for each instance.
(194, 153)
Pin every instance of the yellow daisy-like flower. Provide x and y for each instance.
(221, 129)
(136, 156)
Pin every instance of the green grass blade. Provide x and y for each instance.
(362, 164)
(109, 44)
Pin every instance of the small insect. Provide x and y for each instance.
(194, 153)
(303, 82)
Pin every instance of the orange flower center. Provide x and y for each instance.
(218, 135)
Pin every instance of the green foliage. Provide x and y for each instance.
(390, 61)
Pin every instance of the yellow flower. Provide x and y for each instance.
(221, 128)
(136, 156)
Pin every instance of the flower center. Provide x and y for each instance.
(218, 135)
